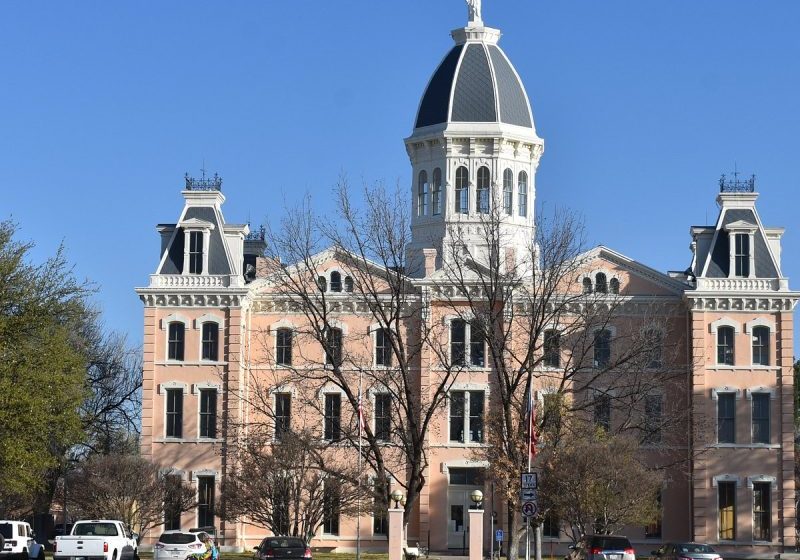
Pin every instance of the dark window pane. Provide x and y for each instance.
(210, 341)
(283, 347)
(283, 414)
(726, 418)
(508, 191)
(333, 416)
(602, 348)
(653, 530)
(330, 510)
(477, 348)
(727, 510)
(383, 348)
(208, 413)
(172, 512)
(761, 417)
(523, 194)
(205, 501)
(552, 349)
(761, 511)
(334, 350)
(462, 191)
(742, 254)
(476, 402)
(383, 423)
(653, 411)
(175, 341)
(336, 282)
(458, 337)
(437, 191)
(761, 346)
(457, 411)
(600, 283)
(380, 520)
(175, 413)
(725, 346)
(602, 412)
(196, 252)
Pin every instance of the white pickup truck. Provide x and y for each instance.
(97, 540)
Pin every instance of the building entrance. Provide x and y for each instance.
(462, 482)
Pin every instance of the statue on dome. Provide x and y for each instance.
(474, 7)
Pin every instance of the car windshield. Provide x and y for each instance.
(98, 529)
(5, 530)
(611, 543)
(177, 538)
(695, 548)
(286, 543)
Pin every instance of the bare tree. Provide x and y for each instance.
(381, 361)
(544, 329)
(128, 488)
(291, 486)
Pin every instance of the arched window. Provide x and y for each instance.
(322, 284)
(437, 192)
(175, 341)
(422, 194)
(508, 192)
(210, 342)
(348, 284)
(600, 283)
(283, 347)
(523, 194)
(462, 190)
(336, 281)
(614, 285)
(587, 285)
(333, 354)
(725, 354)
(761, 346)
(602, 348)
(484, 179)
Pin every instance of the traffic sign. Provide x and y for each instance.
(529, 509)
(530, 481)
(529, 496)
(498, 535)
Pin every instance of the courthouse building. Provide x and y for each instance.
(474, 144)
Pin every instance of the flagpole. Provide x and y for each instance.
(528, 449)
(358, 499)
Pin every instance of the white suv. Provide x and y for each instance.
(19, 542)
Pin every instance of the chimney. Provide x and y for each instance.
(429, 255)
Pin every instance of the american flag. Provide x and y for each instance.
(531, 414)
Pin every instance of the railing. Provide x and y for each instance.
(204, 183)
(737, 185)
(738, 284)
(258, 234)
(189, 281)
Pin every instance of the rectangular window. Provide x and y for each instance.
(461, 476)
(333, 416)
(457, 410)
(476, 399)
(726, 418)
(552, 349)
(208, 413)
(383, 348)
(477, 348)
(174, 413)
(551, 526)
(761, 512)
(330, 510)
(172, 512)
(196, 252)
(602, 412)
(725, 346)
(175, 341)
(380, 521)
(653, 415)
(654, 346)
(205, 501)
(283, 347)
(334, 350)
(727, 510)
(653, 530)
(458, 338)
(383, 424)
(742, 254)
(602, 348)
(761, 346)
(283, 414)
(761, 417)
(210, 341)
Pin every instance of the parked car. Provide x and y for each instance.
(178, 545)
(19, 542)
(99, 539)
(282, 547)
(686, 551)
(602, 547)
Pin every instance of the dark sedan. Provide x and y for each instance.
(273, 548)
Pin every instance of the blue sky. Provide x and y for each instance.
(642, 106)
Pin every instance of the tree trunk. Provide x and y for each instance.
(515, 533)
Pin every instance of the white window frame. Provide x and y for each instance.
(741, 228)
(773, 487)
(190, 226)
(467, 388)
(448, 321)
(761, 390)
(748, 329)
(162, 390)
(715, 392)
(715, 480)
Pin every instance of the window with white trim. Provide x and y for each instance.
(336, 281)
(508, 192)
(210, 341)
(552, 349)
(726, 418)
(466, 416)
(176, 333)
(422, 194)
(331, 506)
(383, 416)
(380, 519)
(761, 346)
(383, 347)
(174, 413)
(460, 332)
(333, 354)
(462, 191)
(172, 509)
(205, 501)
(483, 185)
(726, 496)
(196, 252)
(333, 417)
(437, 192)
(602, 348)
(208, 413)
(602, 411)
(725, 345)
(522, 199)
(760, 417)
(600, 283)
(762, 515)
(283, 414)
(741, 255)
(283, 346)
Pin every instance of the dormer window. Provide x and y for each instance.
(196, 236)
(741, 256)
